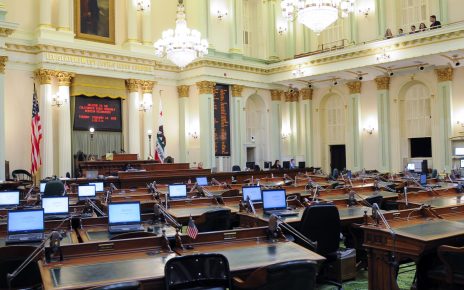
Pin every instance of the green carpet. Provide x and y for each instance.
(405, 279)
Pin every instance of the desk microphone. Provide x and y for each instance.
(55, 245)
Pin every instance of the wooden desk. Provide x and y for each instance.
(182, 214)
(415, 233)
(435, 198)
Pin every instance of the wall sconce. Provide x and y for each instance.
(194, 135)
(383, 57)
(282, 29)
(145, 106)
(91, 131)
(298, 72)
(58, 101)
(149, 133)
(142, 5)
(285, 135)
(221, 14)
(365, 11)
(369, 130)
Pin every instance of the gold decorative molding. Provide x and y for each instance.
(64, 78)
(276, 95)
(306, 94)
(4, 32)
(3, 60)
(383, 83)
(147, 86)
(44, 76)
(292, 95)
(206, 87)
(354, 87)
(183, 91)
(237, 90)
(133, 85)
(444, 74)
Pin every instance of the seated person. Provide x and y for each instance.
(435, 23)
(293, 164)
(413, 29)
(276, 165)
(422, 27)
(388, 34)
(200, 165)
(400, 32)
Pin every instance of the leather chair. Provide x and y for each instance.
(451, 269)
(335, 174)
(22, 175)
(54, 188)
(214, 220)
(378, 199)
(132, 235)
(199, 272)
(134, 285)
(10, 259)
(321, 223)
(236, 168)
(293, 275)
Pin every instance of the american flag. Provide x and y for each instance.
(36, 135)
(160, 146)
(192, 230)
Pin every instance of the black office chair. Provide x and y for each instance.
(199, 272)
(256, 168)
(293, 275)
(132, 235)
(378, 199)
(54, 188)
(10, 259)
(321, 223)
(451, 269)
(133, 285)
(236, 168)
(22, 175)
(335, 174)
(214, 220)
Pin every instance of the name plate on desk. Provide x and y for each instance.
(230, 236)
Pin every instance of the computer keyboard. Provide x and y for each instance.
(26, 237)
(282, 212)
(125, 228)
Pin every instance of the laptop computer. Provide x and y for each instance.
(9, 199)
(42, 187)
(202, 181)
(423, 179)
(56, 207)
(275, 202)
(177, 191)
(25, 226)
(86, 192)
(99, 186)
(124, 217)
(254, 192)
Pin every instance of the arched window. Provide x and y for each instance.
(416, 112)
(334, 120)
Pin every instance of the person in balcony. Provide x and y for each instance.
(388, 34)
(435, 23)
(413, 29)
(422, 27)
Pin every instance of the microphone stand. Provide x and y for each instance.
(95, 207)
(366, 203)
(170, 219)
(281, 224)
(35, 254)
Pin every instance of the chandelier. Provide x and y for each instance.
(181, 45)
(317, 15)
(142, 5)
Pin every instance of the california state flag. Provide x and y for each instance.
(160, 147)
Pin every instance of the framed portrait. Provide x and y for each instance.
(94, 20)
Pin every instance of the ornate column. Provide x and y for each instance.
(383, 119)
(183, 93)
(64, 22)
(236, 27)
(272, 27)
(64, 124)
(354, 145)
(3, 60)
(380, 15)
(146, 27)
(45, 16)
(306, 130)
(147, 99)
(134, 116)
(238, 127)
(207, 154)
(442, 126)
(44, 76)
(276, 124)
(131, 22)
(291, 99)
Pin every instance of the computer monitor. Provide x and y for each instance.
(99, 186)
(301, 165)
(267, 164)
(462, 163)
(176, 191)
(286, 165)
(9, 198)
(254, 192)
(349, 174)
(411, 166)
(42, 187)
(124, 213)
(25, 221)
(202, 181)
(58, 205)
(250, 165)
(274, 199)
(86, 192)
(423, 179)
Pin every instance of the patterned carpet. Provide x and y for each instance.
(405, 279)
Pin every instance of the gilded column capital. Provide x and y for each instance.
(206, 87)
(276, 95)
(4, 32)
(237, 90)
(133, 85)
(383, 83)
(44, 76)
(292, 95)
(354, 87)
(64, 78)
(444, 74)
(306, 94)
(147, 86)
(183, 91)
(3, 60)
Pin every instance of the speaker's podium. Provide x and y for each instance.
(124, 157)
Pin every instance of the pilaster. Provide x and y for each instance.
(3, 60)
(133, 87)
(183, 94)
(206, 91)
(64, 124)
(148, 124)
(383, 120)
(276, 124)
(306, 130)
(238, 129)
(354, 145)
